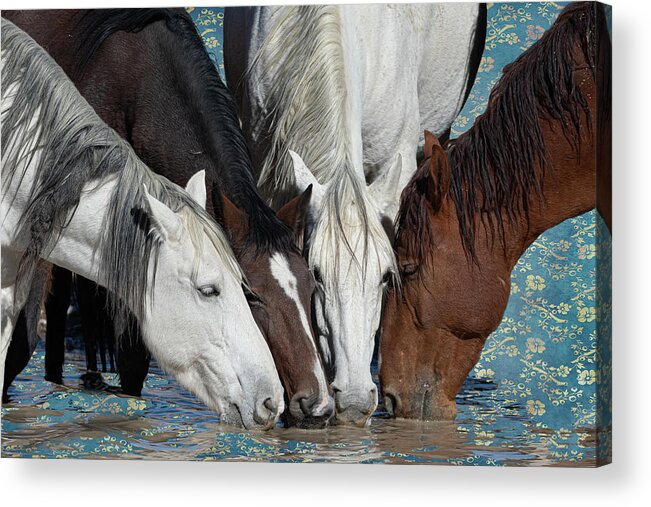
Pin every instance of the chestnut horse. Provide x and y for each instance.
(528, 163)
(146, 73)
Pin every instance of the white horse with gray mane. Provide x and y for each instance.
(75, 194)
(351, 89)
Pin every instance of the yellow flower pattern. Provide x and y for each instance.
(542, 382)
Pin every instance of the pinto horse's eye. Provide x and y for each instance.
(317, 276)
(409, 269)
(208, 291)
(387, 277)
(251, 297)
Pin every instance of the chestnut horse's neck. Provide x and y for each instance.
(530, 162)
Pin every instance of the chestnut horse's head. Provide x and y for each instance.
(280, 297)
(434, 326)
(471, 211)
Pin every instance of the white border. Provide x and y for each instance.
(625, 482)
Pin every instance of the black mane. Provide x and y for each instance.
(497, 166)
(227, 147)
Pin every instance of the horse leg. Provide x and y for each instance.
(110, 345)
(12, 300)
(18, 354)
(101, 339)
(56, 310)
(107, 337)
(90, 302)
(25, 337)
(133, 359)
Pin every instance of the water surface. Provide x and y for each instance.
(45, 420)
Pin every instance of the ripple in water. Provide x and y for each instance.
(46, 420)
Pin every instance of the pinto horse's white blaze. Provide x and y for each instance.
(282, 272)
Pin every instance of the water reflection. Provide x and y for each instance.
(45, 420)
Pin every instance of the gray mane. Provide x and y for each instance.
(47, 122)
(308, 102)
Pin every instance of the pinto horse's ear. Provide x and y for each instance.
(164, 221)
(295, 213)
(305, 178)
(234, 221)
(439, 177)
(196, 187)
(430, 142)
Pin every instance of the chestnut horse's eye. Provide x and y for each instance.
(409, 269)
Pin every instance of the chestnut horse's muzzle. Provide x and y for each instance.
(425, 405)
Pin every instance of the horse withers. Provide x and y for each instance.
(75, 194)
(528, 163)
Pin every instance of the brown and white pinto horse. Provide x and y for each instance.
(539, 154)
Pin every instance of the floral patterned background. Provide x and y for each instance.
(540, 393)
(551, 351)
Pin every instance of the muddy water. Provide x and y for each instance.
(46, 420)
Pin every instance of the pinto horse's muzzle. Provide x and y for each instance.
(310, 411)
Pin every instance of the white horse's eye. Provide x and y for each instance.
(208, 291)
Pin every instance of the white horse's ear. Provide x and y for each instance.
(166, 223)
(304, 178)
(384, 190)
(196, 187)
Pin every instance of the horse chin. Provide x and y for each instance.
(306, 423)
(424, 406)
(353, 417)
(232, 416)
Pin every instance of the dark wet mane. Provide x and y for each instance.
(226, 144)
(497, 167)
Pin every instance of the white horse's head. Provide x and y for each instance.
(352, 260)
(197, 322)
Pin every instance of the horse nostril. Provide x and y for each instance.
(391, 402)
(304, 406)
(266, 412)
(271, 405)
(299, 406)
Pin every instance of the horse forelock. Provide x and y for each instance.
(498, 168)
(345, 219)
(413, 229)
(78, 149)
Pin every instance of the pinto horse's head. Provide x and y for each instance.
(352, 261)
(280, 297)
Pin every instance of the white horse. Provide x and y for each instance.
(350, 88)
(75, 194)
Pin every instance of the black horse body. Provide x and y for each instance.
(147, 75)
